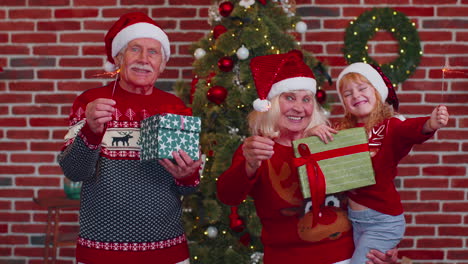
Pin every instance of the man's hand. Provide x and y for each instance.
(98, 113)
(184, 165)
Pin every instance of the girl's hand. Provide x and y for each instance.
(439, 119)
(324, 132)
(255, 150)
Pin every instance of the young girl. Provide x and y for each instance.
(376, 211)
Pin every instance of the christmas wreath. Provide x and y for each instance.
(364, 28)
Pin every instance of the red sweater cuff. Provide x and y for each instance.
(192, 180)
(90, 136)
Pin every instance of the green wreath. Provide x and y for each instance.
(364, 28)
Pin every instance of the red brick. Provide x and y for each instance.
(442, 195)
(445, 97)
(95, 3)
(419, 231)
(459, 183)
(439, 243)
(8, 146)
(420, 207)
(16, 169)
(58, 26)
(436, 146)
(14, 97)
(426, 183)
(31, 86)
(46, 146)
(455, 207)
(408, 195)
(453, 159)
(55, 50)
(17, 26)
(457, 254)
(77, 86)
(59, 74)
(408, 171)
(36, 181)
(34, 38)
(27, 134)
(31, 158)
(419, 158)
(14, 240)
(433, 219)
(59, 134)
(12, 122)
(50, 170)
(435, 36)
(76, 13)
(461, 36)
(30, 13)
(422, 254)
(454, 231)
(452, 134)
(452, 11)
(35, 110)
(444, 171)
(48, 122)
(28, 228)
(14, 217)
(445, 23)
(80, 62)
(12, 3)
(82, 37)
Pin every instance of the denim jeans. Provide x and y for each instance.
(374, 230)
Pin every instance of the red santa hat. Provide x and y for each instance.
(278, 73)
(129, 27)
(376, 77)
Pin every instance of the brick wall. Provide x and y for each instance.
(50, 50)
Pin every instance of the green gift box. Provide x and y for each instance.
(345, 162)
(163, 134)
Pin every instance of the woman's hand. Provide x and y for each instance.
(377, 257)
(255, 150)
(324, 132)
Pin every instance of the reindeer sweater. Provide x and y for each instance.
(287, 232)
(130, 210)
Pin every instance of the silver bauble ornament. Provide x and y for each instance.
(212, 232)
(242, 53)
(301, 27)
(199, 53)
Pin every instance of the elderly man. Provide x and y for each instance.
(130, 210)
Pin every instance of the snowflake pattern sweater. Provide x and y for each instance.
(287, 232)
(127, 205)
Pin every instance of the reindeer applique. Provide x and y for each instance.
(124, 139)
(332, 220)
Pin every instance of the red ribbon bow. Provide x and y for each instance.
(316, 179)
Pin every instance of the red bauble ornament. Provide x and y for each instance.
(262, 1)
(226, 64)
(225, 8)
(236, 223)
(321, 96)
(218, 30)
(217, 94)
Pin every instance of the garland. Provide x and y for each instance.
(364, 28)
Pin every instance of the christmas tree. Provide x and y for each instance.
(221, 93)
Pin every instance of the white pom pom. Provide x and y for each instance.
(109, 67)
(261, 105)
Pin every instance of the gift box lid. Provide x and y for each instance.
(180, 122)
(345, 161)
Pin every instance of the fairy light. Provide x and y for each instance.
(391, 66)
(392, 30)
(402, 51)
(366, 47)
(395, 13)
(376, 29)
(374, 18)
(349, 56)
(404, 38)
(355, 33)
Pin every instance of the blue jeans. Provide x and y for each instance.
(374, 230)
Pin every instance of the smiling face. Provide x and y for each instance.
(296, 108)
(359, 98)
(140, 64)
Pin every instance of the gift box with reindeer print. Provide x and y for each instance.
(162, 134)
